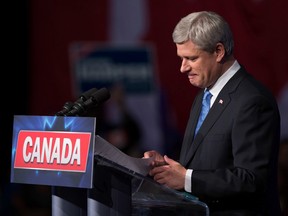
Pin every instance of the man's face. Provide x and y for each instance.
(202, 68)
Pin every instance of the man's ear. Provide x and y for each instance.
(220, 52)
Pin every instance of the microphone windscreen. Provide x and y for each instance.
(100, 96)
(86, 95)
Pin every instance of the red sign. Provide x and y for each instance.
(50, 150)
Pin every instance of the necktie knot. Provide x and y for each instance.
(205, 109)
(206, 98)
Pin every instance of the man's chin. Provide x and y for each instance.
(194, 83)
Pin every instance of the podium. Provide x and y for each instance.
(118, 190)
(88, 175)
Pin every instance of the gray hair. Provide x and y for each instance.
(205, 29)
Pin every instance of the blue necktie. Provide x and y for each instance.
(205, 109)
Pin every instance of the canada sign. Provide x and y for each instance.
(53, 150)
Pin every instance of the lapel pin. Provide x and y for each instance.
(221, 101)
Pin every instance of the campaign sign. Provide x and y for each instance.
(53, 150)
(102, 65)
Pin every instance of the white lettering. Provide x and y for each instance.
(66, 144)
(76, 153)
(27, 141)
(49, 150)
(56, 151)
(46, 150)
(36, 151)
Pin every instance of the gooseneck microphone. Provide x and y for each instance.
(68, 106)
(95, 99)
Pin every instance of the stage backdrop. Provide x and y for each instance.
(259, 27)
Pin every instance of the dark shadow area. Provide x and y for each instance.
(16, 199)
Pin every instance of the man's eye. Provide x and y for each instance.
(191, 59)
(188, 58)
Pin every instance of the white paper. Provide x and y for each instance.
(110, 152)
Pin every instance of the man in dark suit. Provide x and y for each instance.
(231, 162)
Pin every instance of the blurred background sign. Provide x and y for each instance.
(103, 66)
(128, 71)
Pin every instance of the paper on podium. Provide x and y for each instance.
(110, 152)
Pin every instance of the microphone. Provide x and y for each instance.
(69, 105)
(94, 100)
(66, 108)
(85, 96)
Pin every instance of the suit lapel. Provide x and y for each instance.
(190, 146)
(190, 129)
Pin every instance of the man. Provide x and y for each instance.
(231, 162)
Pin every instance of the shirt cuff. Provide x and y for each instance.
(188, 181)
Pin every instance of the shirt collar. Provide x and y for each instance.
(223, 79)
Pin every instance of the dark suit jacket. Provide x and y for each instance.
(234, 155)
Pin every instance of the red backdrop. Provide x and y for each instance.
(260, 31)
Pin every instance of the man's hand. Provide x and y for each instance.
(158, 159)
(172, 174)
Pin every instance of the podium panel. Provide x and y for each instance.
(120, 190)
